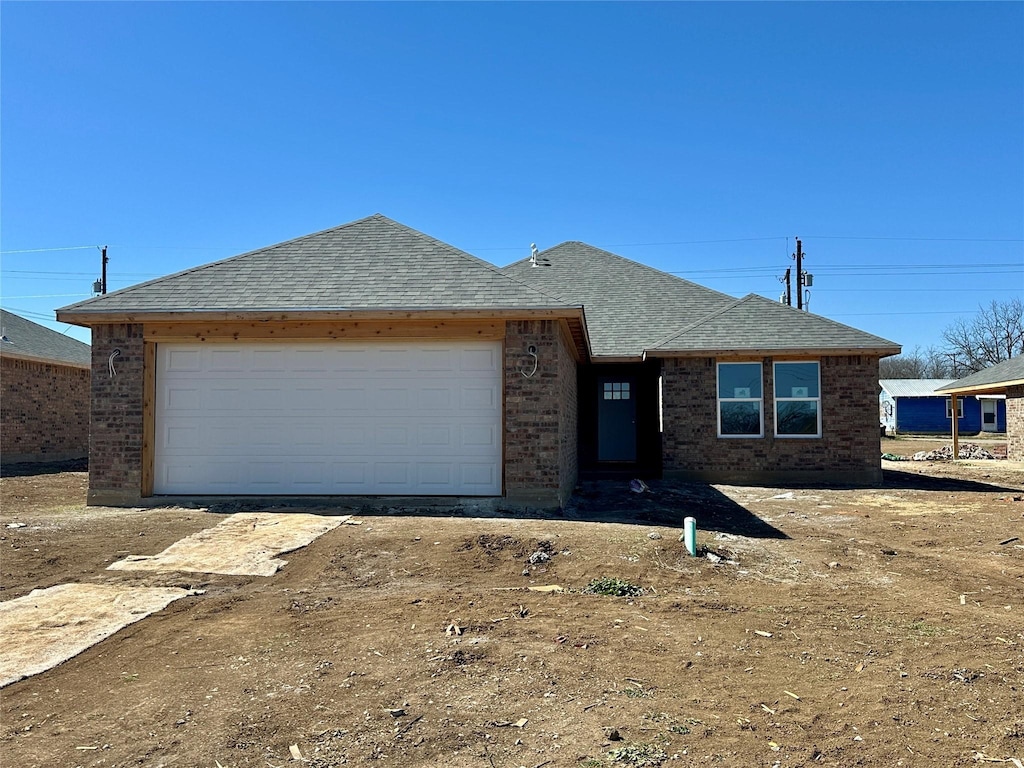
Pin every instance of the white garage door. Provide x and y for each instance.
(420, 418)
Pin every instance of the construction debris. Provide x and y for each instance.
(967, 451)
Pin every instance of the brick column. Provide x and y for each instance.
(540, 415)
(115, 438)
(1015, 423)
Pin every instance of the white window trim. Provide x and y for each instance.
(719, 400)
(777, 400)
(959, 408)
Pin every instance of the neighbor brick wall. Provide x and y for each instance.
(44, 411)
(540, 415)
(1015, 423)
(848, 450)
(115, 444)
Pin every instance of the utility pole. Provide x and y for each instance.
(789, 287)
(799, 275)
(103, 277)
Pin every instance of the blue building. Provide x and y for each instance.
(913, 405)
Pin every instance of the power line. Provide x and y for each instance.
(80, 274)
(47, 296)
(924, 239)
(888, 314)
(51, 250)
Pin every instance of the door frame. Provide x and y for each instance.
(644, 381)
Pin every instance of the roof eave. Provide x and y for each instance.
(978, 389)
(89, 318)
(773, 352)
(42, 359)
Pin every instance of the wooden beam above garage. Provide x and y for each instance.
(323, 330)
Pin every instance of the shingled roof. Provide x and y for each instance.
(371, 264)
(629, 305)
(995, 378)
(25, 339)
(758, 325)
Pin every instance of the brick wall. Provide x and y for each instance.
(540, 415)
(1015, 423)
(44, 411)
(568, 460)
(115, 443)
(848, 450)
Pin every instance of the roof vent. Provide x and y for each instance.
(534, 261)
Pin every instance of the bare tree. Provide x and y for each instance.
(995, 334)
(930, 363)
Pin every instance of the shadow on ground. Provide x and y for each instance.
(667, 503)
(912, 481)
(600, 501)
(43, 468)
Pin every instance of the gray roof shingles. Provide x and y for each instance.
(378, 264)
(372, 263)
(629, 306)
(756, 323)
(22, 337)
(992, 377)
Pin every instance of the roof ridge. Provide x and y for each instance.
(474, 259)
(218, 262)
(376, 217)
(752, 297)
(700, 321)
(635, 263)
(818, 317)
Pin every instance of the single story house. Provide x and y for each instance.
(371, 359)
(913, 405)
(1005, 378)
(44, 393)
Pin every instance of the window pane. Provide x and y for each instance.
(741, 418)
(796, 418)
(796, 380)
(745, 377)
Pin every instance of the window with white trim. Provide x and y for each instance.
(959, 408)
(740, 400)
(798, 399)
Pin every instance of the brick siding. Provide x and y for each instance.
(540, 415)
(44, 411)
(848, 450)
(115, 444)
(1015, 423)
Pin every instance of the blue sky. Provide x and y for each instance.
(697, 138)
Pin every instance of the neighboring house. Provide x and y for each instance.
(1005, 378)
(913, 405)
(371, 359)
(44, 393)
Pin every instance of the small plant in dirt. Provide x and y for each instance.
(638, 755)
(636, 693)
(680, 729)
(613, 587)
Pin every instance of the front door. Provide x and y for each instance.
(988, 415)
(616, 419)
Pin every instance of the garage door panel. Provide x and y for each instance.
(329, 418)
(183, 361)
(226, 361)
(479, 360)
(478, 398)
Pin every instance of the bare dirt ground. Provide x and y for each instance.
(852, 627)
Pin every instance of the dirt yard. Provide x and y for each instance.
(841, 627)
